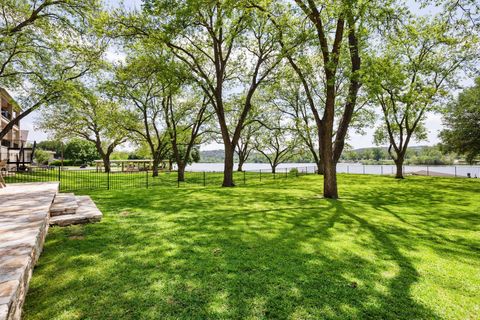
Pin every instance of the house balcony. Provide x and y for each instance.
(16, 153)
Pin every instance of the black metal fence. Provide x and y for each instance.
(457, 171)
(90, 179)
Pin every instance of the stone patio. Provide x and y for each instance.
(25, 215)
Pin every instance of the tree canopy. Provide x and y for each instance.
(44, 46)
(282, 77)
(410, 77)
(462, 121)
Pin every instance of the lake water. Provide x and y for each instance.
(459, 170)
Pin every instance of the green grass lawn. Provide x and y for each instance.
(387, 249)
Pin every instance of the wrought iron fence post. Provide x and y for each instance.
(363, 169)
(204, 179)
(260, 174)
(428, 172)
(286, 173)
(381, 169)
(59, 175)
(348, 169)
(244, 177)
(455, 171)
(178, 180)
(146, 177)
(108, 180)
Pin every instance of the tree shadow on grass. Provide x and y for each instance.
(229, 254)
(439, 213)
(398, 303)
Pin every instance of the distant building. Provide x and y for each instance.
(15, 153)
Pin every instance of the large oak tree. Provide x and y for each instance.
(44, 46)
(412, 73)
(84, 113)
(337, 30)
(228, 47)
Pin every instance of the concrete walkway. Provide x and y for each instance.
(24, 219)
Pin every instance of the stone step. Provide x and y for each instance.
(63, 204)
(87, 212)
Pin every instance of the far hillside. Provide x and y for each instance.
(421, 155)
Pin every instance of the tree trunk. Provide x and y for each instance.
(320, 167)
(228, 166)
(330, 180)
(241, 161)
(106, 162)
(181, 171)
(330, 189)
(156, 163)
(399, 165)
(274, 169)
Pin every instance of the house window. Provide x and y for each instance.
(6, 114)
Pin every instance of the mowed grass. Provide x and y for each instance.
(388, 249)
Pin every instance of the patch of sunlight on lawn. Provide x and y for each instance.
(388, 249)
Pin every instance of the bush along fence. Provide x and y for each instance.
(91, 179)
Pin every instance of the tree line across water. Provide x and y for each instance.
(419, 155)
(266, 77)
(78, 152)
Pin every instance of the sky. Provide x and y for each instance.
(433, 122)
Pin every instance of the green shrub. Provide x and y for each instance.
(41, 156)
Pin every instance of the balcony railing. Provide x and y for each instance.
(14, 156)
(17, 152)
(18, 143)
